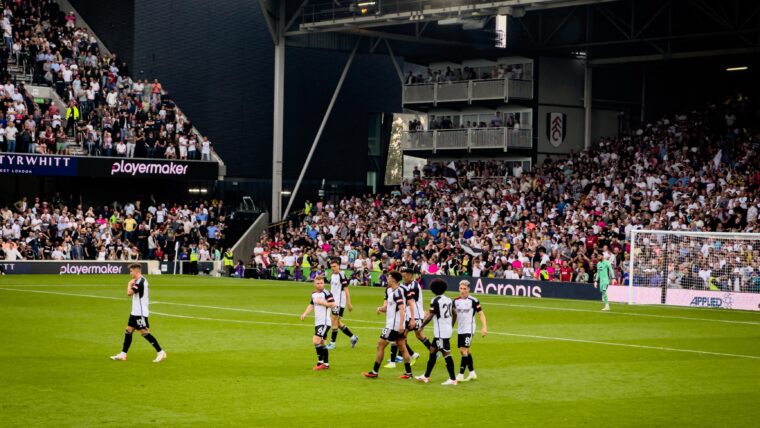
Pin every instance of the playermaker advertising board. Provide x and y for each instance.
(519, 287)
(68, 268)
(85, 166)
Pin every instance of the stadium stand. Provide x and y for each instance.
(61, 229)
(696, 171)
(105, 112)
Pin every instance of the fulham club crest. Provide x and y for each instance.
(556, 128)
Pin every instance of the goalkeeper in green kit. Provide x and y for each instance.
(602, 279)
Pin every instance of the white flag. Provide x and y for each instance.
(450, 173)
(717, 158)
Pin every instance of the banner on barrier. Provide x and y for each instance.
(31, 164)
(713, 299)
(639, 295)
(520, 287)
(90, 166)
(69, 267)
(183, 267)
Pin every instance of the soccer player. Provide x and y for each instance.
(442, 313)
(321, 303)
(394, 306)
(137, 288)
(466, 307)
(339, 289)
(414, 299)
(602, 279)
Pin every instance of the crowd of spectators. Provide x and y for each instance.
(17, 119)
(696, 171)
(106, 113)
(61, 229)
(498, 120)
(458, 74)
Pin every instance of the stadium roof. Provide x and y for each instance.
(605, 31)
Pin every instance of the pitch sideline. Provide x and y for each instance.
(530, 336)
(483, 298)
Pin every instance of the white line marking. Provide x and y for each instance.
(488, 300)
(530, 336)
(226, 308)
(235, 321)
(304, 324)
(58, 293)
(184, 285)
(518, 305)
(555, 308)
(627, 345)
(221, 308)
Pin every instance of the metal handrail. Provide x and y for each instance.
(505, 92)
(475, 138)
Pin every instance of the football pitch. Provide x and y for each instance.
(238, 354)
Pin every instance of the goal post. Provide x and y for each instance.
(702, 269)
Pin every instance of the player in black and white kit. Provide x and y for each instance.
(442, 315)
(339, 290)
(414, 299)
(321, 303)
(466, 307)
(138, 318)
(394, 306)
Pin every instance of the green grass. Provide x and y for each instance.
(544, 363)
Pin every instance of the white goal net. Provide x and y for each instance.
(706, 269)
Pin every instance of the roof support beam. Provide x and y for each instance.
(560, 26)
(395, 63)
(677, 55)
(653, 18)
(404, 38)
(264, 5)
(436, 13)
(711, 13)
(295, 16)
(653, 39)
(325, 118)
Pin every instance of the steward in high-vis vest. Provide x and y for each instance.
(193, 260)
(229, 262)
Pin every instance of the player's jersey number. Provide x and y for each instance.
(446, 309)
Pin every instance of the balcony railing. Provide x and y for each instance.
(520, 138)
(468, 90)
(467, 139)
(522, 89)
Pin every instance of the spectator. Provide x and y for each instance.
(205, 149)
(121, 149)
(10, 137)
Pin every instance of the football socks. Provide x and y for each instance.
(430, 364)
(345, 331)
(152, 340)
(450, 366)
(394, 352)
(127, 341)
